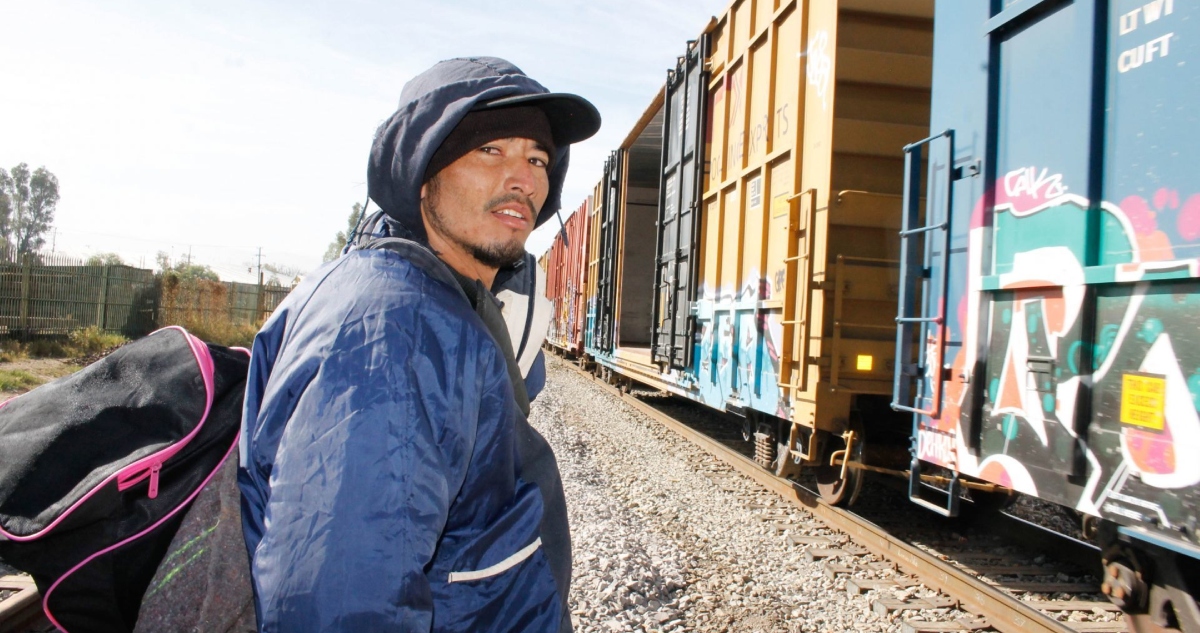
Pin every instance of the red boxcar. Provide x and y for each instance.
(566, 270)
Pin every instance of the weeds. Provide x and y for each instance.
(205, 309)
(46, 348)
(11, 350)
(86, 341)
(217, 331)
(18, 380)
(91, 340)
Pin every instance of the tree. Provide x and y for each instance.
(279, 273)
(184, 270)
(105, 259)
(27, 203)
(339, 242)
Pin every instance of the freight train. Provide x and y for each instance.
(959, 243)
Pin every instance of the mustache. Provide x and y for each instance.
(525, 201)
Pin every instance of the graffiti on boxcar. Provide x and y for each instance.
(819, 67)
(1138, 379)
(1027, 181)
(738, 355)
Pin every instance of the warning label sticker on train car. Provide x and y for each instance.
(1143, 399)
(780, 205)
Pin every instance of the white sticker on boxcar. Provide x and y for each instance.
(755, 198)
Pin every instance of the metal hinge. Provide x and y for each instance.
(970, 170)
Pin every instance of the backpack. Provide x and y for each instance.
(97, 470)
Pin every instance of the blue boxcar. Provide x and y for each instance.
(1049, 294)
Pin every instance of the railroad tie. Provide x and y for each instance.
(814, 554)
(884, 606)
(18, 608)
(819, 541)
(963, 624)
(858, 586)
(833, 569)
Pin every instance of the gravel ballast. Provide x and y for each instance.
(660, 545)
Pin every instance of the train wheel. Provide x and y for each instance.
(1156, 587)
(833, 488)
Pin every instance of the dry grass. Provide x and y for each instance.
(91, 340)
(217, 331)
(82, 342)
(202, 308)
(17, 380)
(11, 350)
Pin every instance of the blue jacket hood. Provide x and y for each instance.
(431, 105)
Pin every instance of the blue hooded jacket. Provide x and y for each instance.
(390, 480)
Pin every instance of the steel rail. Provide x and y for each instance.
(1003, 612)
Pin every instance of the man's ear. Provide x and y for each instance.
(422, 192)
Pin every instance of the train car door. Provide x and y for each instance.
(675, 275)
(610, 216)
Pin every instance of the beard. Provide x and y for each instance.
(493, 255)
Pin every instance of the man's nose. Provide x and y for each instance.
(522, 176)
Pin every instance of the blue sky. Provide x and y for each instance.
(220, 127)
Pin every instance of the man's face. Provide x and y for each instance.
(480, 209)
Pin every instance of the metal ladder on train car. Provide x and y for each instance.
(917, 313)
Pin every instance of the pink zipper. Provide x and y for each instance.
(150, 465)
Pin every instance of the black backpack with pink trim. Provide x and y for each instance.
(97, 470)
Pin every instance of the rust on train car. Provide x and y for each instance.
(566, 276)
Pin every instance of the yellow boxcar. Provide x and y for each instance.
(744, 235)
(810, 105)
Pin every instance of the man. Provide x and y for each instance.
(390, 479)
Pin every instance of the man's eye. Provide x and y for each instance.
(540, 162)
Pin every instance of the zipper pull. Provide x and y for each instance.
(154, 468)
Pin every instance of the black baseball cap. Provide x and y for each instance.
(572, 118)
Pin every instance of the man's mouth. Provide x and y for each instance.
(511, 213)
(512, 218)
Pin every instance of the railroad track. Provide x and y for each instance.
(970, 577)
